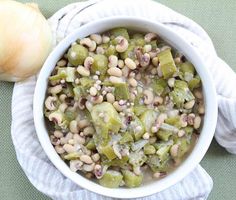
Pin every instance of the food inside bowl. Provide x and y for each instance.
(122, 105)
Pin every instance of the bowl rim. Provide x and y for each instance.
(199, 150)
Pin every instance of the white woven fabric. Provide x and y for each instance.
(41, 172)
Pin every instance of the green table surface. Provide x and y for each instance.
(218, 18)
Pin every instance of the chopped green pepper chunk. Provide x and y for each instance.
(194, 83)
(77, 54)
(158, 86)
(131, 179)
(119, 32)
(175, 121)
(100, 64)
(127, 137)
(167, 63)
(108, 152)
(148, 118)
(121, 91)
(164, 135)
(72, 156)
(79, 91)
(149, 149)
(91, 145)
(138, 133)
(138, 110)
(112, 122)
(187, 67)
(111, 179)
(181, 93)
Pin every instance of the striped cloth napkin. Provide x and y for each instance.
(41, 172)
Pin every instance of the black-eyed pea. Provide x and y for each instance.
(191, 118)
(54, 140)
(72, 141)
(88, 62)
(50, 103)
(198, 94)
(76, 165)
(93, 91)
(89, 131)
(121, 64)
(114, 79)
(146, 136)
(159, 72)
(63, 140)
(189, 104)
(154, 129)
(88, 105)
(68, 136)
(150, 36)
(132, 82)
(90, 44)
(114, 71)
(62, 97)
(69, 148)
(79, 139)
(59, 149)
(138, 76)
(130, 63)
(96, 157)
(55, 89)
(117, 106)
(87, 42)
(83, 123)
(197, 122)
(122, 44)
(181, 133)
(161, 118)
(63, 107)
(157, 175)
(61, 63)
(105, 39)
(155, 61)
(110, 97)
(125, 71)
(148, 97)
(83, 71)
(88, 168)
(177, 60)
(97, 99)
(174, 150)
(171, 82)
(100, 50)
(93, 46)
(147, 48)
(98, 172)
(183, 120)
(132, 96)
(56, 117)
(154, 71)
(58, 134)
(73, 126)
(97, 38)
(86, 159)
(201, 109)
(113, 61)
(145, 60)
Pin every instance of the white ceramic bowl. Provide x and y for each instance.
(173, 39)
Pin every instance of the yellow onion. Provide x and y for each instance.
(25, 40)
